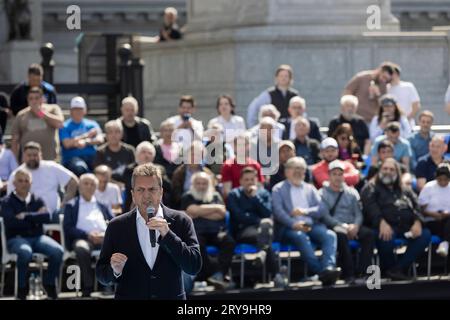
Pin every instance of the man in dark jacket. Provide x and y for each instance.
(18, 99)
(135, 129)
(24, 215)
(394, 212)
(251, 216)
(146, 250)
(85, 222)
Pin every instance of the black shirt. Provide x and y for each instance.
(202, 225)
(359, 128)
(132, 135)
(173, 31)
(117, 161)
(426, 168)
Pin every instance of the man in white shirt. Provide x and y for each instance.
(187, 128)
(108, 193)
(146, 250)
(48, 178)
(406, 94)
(85, 222)
(435, 202)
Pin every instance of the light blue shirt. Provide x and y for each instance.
(8, 163)
(401, 149)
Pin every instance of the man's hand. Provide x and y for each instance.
(353, 230)
(297, 212)
(92, 133)
(96, 237)
(160, 224)
(118, 261)
(43, 210)
(252, 191)
(21, 216)
(386, 231)
(301, 226)
(416, 229)
(81, 143)
(374, 91)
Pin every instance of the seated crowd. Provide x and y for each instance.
(371, 180)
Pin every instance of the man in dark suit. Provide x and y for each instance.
(140, 270)
(85, 221)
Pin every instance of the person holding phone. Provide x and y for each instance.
(186, 127)
(297, 221)
(389, 111)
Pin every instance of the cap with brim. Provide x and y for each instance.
(336, 164)
(329, 142)
(286, 143)
(77, 102)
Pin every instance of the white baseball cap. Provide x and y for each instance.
(77, 102)
(328, 142)
(336, 164)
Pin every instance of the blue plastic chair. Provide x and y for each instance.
(240, 250)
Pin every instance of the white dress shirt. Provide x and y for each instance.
(298, 197)
(143, 233)
(90, 217)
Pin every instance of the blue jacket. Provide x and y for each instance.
(71, 231)
(31, 226)
(282, 207)
(245, 211)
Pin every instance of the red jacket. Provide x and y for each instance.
(320, 173)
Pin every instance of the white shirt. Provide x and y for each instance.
(149, 252)
(46, 180)
(375, 130)
(90, 217)
(182, 135)
(435, 197)
(232, 128)
(298, 197)
(110, 197)
(406, 94)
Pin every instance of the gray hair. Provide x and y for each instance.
(296, 162)
(146, 145)
(351, 99)
(131, 100)
(89, 176)
(269, 107)
(298, 99)
(111, 124)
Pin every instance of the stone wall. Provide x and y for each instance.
(322, 66)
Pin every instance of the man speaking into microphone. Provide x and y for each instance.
(145, 250)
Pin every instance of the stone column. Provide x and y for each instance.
(17, 55)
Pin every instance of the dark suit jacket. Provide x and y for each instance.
(179, 251)
(71, 231)
(314, 131)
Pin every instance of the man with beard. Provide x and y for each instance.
(368, 86)
(48, 178)
(349, 106)
(393, 211)
(205, 206)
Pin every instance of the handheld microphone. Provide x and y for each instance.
(151, 214)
